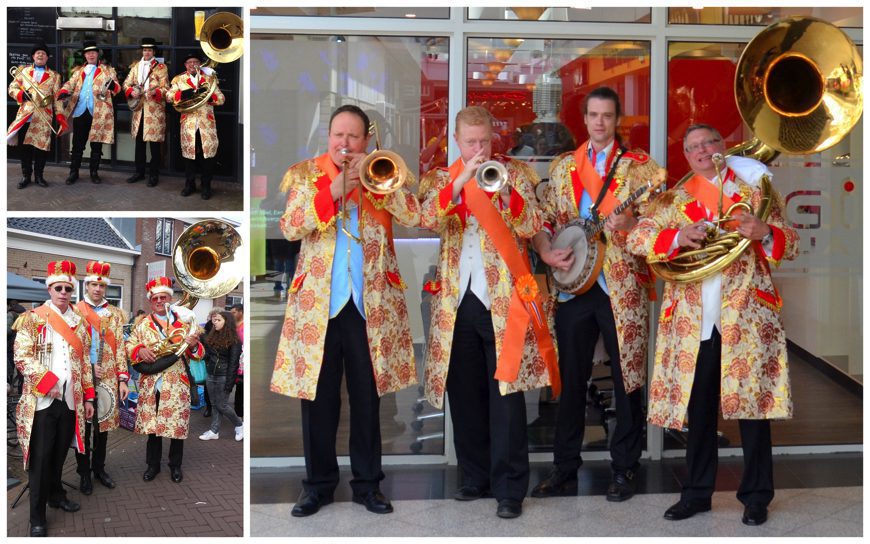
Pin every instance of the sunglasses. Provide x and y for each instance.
(63, 289)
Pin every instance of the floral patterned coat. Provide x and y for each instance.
(441, 215)
(103, 124)
(114, 363)
(38, 380)
(310, 216)
(153, 110)
(627, 275)
(39, 134)
(173, 418)
(201, 119)
(754, 383)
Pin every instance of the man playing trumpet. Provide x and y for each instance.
(199, 139)
(104, 324)
(90, 90)
(34, 88)
(145, 89)
(164, 388)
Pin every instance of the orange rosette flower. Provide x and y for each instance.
(527, 288)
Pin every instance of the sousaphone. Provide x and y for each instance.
(798, 87)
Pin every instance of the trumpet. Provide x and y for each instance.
(491, 176)
(36, 96)
(105, 95)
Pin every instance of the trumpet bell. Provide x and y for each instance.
(222, 37)
(206, 259)
(491, 176)
(382, 172)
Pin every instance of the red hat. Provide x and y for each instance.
(98, 271)
(160, 284)
(61, 271)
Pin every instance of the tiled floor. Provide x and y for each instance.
(816, 495)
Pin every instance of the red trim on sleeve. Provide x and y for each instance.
(134, 356)
(445, 196)
(324, 206)
(62, 93)
(517, 204)
(663, 243)
(197, 353)
(123, 376)
(90, 393)
(20, 97)
(158, 95)
(778, 243)
(177, 96)
(46, 383)
(128, 92)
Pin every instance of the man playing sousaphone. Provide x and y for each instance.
(199, 138)
(489, 339)
(105, 324)
(52, 353)
(90, 90)
(165, 385)
(601, 173)
(145, 89)
(32, 127)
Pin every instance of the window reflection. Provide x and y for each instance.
(763, 16)
(608, 14)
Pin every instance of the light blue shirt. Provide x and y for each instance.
(342, 288)
(86, 96)
(38, 71)
(599, 161)
(95, 334)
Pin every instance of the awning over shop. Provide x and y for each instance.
(23, 289)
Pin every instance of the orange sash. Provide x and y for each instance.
(60, 326)
(707, 194)
(96, 322)
(525, 300)
(592, 182)
(381, 216)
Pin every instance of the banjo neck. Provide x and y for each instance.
(598, 225)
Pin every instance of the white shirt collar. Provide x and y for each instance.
(94, 304)
(606, 149)
(89, 68)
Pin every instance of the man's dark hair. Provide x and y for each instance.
(239, 307)
(350, 108)
(603, 93)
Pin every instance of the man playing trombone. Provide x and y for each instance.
(489, 338)
(90, 90)
(145, 89)
(104, 324)
(164, 388)
(34, 88)
(199, 138)
(346, 310)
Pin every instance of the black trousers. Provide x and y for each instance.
(238, 399)
(50, 438)
(489, 430)
(154, 163)
(578, 324)
(94, 457)
(154, 448)
(346, 349)
(81, 129)
(32, 158)
(206, 166)
(702, 451)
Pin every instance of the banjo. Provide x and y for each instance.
(582, 236)
(106, 399)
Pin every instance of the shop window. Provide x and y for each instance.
(414, 12)
(596, 15)
(762, 16)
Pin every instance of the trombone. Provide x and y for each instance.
(36, 96)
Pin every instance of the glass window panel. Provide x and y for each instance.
(401, 82)
(603, 15)
(133, 24)
(763, 16)
(535, 89)
(822, 194)
(358, 11)
(89, 11)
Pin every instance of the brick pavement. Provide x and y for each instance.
(208, 502)
(114, 193)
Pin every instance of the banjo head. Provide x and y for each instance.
(105, 402)
(573, 236)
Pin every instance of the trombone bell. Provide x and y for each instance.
(382, 172)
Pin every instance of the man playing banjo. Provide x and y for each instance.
(109, 362)
(590, 184)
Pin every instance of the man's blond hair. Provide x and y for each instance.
(474, 116)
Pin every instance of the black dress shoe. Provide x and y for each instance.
(86, 485)
(685, 509)
(622, 486)
(556, 484)
(309, 503)
(104, 478)
(71, 178)
(95, 178)
(176, 474)
(150, 473)
(38, 530)
(25, 181)
(66, 505)
(509, 508)
(136, 177)
(39, 180)
(152, 181)
(471, 493)
(754, 514)
(375, 502)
